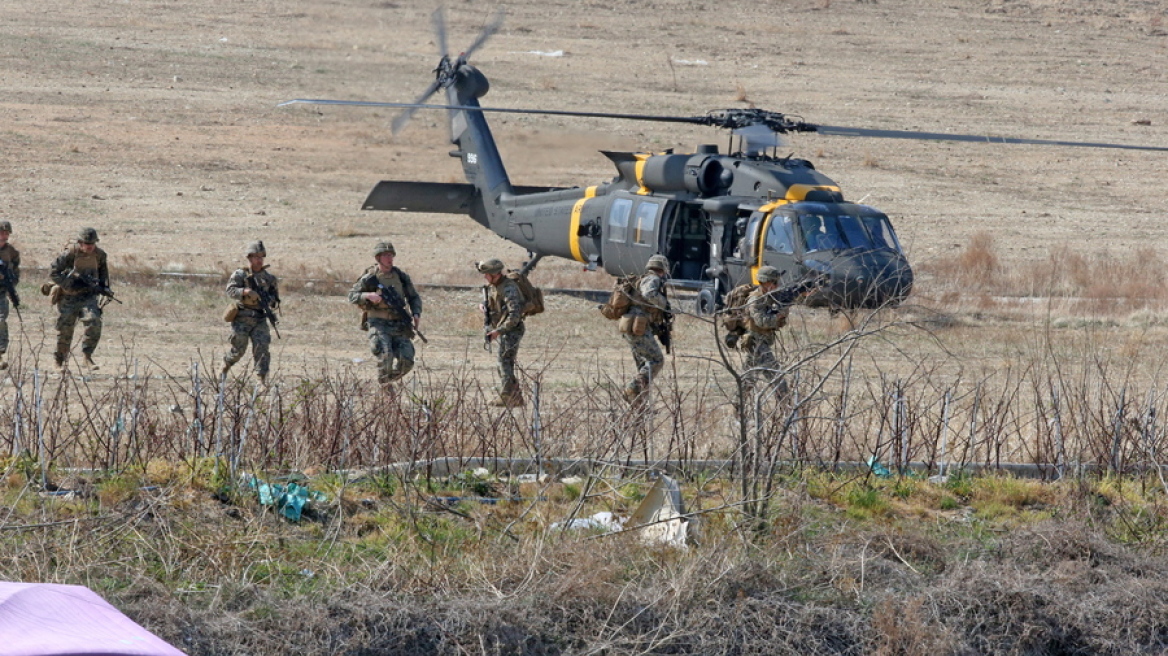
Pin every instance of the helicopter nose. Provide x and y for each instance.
(869, 280)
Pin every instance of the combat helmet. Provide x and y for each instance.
(659, 262)
(5, 226)
(493, 265)
(257, 248)
(383, 247)
(87, 236)
(768, 274)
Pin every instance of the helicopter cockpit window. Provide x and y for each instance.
(821, 232)
(618, 220)
(646, 224)
(779, 236)
(825, 232)
(881, 231)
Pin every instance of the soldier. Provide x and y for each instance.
(393, 310)
(256, 294)
(765, 315)
(504, 311)
(642, 322)
(82, 275)
(10, 276)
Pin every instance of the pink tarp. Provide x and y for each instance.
(42, 619)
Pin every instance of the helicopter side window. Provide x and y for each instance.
(618, 220)
(646, 224)
(779, 236)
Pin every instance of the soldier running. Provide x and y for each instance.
(257, 296)
(10, 275)
(504, 308)
(765, 315)
(394, 313)
(640, 324)
(82, 275)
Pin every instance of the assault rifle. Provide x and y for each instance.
(664, 332)
(93, 284)
(10, 287)
(488, 323)
(394, 300)
(789, 295)
(266, 303)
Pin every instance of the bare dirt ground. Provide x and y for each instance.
(156, 123)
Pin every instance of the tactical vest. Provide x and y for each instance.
(382, 310)
(7, 255)
(264, 281)
(85, 265)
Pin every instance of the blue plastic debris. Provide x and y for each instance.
(290, 499)
(880, 470)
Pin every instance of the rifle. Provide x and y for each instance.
(789, 295)
(664, 332)
(93, 284)
(394, 300)
(488, 324)
(266, 304)
(10, 287)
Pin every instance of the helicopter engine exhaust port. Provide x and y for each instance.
(701, 174)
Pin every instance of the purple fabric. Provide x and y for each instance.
(42, 619)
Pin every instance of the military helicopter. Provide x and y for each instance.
(716, 216)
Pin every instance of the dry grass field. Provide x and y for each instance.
(1036, 333)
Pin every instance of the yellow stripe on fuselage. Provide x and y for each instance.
(574, 227)
(642, 158)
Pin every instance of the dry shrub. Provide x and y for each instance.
(978, 260)
(906, 628)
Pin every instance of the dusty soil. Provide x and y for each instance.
(156, 122)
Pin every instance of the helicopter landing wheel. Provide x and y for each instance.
(707, 303)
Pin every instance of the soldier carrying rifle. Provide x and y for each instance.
(82, 275)
(393, 312)
(503, 306)
(257, 296)
(9, 277)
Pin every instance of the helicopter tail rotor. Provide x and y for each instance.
(447, 69)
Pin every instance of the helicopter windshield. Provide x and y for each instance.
(827, 232)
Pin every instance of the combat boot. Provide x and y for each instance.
(3, 361)
(262, 379)
(59, 359)
(632, 393)
(509, 400)
(224, 369)
(87, 361)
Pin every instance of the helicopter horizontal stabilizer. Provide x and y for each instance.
(436, 197)
(433, 197)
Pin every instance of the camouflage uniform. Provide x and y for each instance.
(505, 306)
(646, 352)
(765, 316)
(9, 272)
(390, 331)
(80, 276)
(250, 323)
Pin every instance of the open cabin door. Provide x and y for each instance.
(686, 241)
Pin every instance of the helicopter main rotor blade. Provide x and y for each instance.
(837, 131)
(694, 120)
(715, 120)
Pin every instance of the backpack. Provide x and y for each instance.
(625, 292)
(734, 309)
(532, 295)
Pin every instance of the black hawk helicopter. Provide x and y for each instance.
(716, 216)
